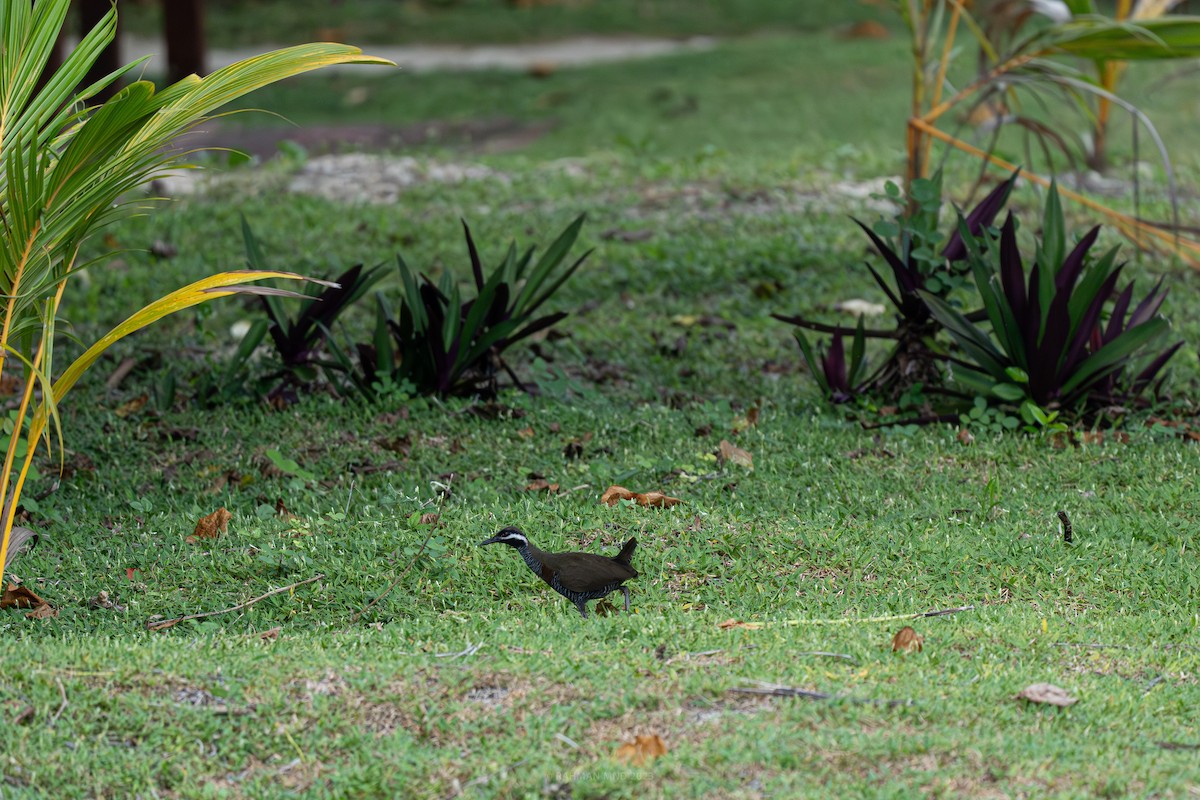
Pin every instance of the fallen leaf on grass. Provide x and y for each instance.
(965, 437)
(282, 512)
(431, 518)
(271, 635)
(574, 448)
(732, 453)
(866, 29)
(614, 494)
(212, 525)
(657, 500)
(133, 406)
(526, 433)
(733, 623)
(44, 611)
(10, 385)
(1184, 428)
(19, 597)
(749, 421)
(542, 485)
(906, 640)
(1047, 694)
(646, 747)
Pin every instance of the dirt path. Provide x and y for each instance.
(430, 58)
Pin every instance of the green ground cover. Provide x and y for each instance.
(489, 21)
(472, 679)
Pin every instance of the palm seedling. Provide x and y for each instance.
(69, 167)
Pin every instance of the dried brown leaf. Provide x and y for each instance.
(657, 500)
(431, 518)
(270, 635)
(866, 29)
(10, 385)
(211, 526)
(733, 623)
(645, 748)
(749, 421)
(44, 611)
(19, 597)
(906, 640)
(526, 433)
(281, 510)
(1047, 694)
(133, 406)
(730, 452)
(965, 437)
(542, 485)
(614, 494)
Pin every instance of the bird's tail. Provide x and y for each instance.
(626, 554)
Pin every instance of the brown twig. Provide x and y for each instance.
(856, 620)
(943, 612)
(820, 327)
(1095, 646)
(63, 706)
(393, 584)
(413, 560)
(776, 690)
(120, 373)
(167, 623)
(823, 654)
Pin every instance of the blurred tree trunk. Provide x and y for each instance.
(90, 13)
(183, 30)
(183, 24)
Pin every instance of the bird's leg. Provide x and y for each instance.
(582, 606)
(625, 591)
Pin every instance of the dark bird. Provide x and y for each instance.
(579, 577)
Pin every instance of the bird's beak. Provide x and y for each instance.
(492, 540)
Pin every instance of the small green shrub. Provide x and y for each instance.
(1046, 345)
(302, 341)
(441, 344)
(922, 261)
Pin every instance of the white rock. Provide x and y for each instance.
(859, 307)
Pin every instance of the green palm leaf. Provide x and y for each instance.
(65, 168)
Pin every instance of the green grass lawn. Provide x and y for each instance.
(489, 21)
(471, 678)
